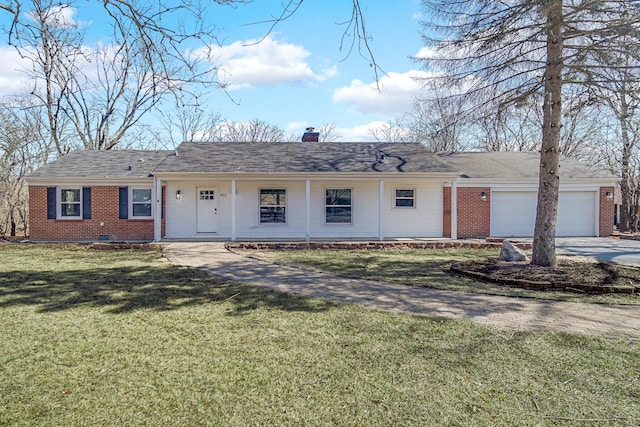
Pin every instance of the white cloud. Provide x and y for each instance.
(362, 133)
(247, 63)
(13, 75)
(394, 98)
(60, 16)
(296, 127)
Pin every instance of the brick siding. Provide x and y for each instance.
(104, 210)
(606, 212)
(474, 214)
(446, 214)
(474, 220)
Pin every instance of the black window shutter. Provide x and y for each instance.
(51, 203)
(86, 203)
(123, 202)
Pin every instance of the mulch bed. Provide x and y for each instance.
(575, 275)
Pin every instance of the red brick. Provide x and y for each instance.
(606, 212)
(104, 208)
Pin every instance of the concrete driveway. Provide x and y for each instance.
(607, 249)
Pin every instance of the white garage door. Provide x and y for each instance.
(513, 213)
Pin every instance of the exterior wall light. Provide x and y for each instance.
(609, 195)
(178, 195)
(483, 196)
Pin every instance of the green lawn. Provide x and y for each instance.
(419, 267)
(125, 338)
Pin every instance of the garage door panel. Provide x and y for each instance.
(576, 215)
(513, 213)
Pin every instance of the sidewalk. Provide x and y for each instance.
(503, 312)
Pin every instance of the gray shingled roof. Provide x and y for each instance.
(272, 157)
(102, 164)
(515, 166)
(317, 157)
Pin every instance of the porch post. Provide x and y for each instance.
(157, 212)
(597, 213)
(308, 209)
(454, 210)
(381, 211)
(233, 210)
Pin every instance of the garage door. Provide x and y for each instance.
(513, 213)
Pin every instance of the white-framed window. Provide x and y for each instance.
(70, 205)
(207, 194)
(405, 198)
(140, 205)
(273, 206)
(338, 206)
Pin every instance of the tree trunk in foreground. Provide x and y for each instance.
(544, 248)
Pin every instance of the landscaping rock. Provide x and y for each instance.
(511, 253)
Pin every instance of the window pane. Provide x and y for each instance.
(273, 197)
(70, 195)
(338, 197)
(404, 193)
(70, 209)
(404, 203)
(273, 215)
(142, 209)
(139, 195)
(338, 215)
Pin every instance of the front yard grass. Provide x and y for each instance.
(125, 338)
(421, 267)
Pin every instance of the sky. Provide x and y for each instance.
(297, 76)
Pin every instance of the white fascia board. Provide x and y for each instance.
(407, 176)
(89, 182)
(567, 183)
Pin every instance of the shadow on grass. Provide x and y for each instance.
(127, 289)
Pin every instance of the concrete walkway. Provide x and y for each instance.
(503, 312)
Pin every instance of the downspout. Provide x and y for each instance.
(381, 211)
(157, 212)
(233, 210)
(308, 210)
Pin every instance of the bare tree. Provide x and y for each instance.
(393, 131)
(250, 131)
(21, 151)
(438, 123)
(621, 97)
(506, 52)
(329, 133)
(191, 124)
(95, 96)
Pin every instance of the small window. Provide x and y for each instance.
(405, 198)
(207, 194)
(338, 206)
(141, 203)
(273, 206)
(70, 203)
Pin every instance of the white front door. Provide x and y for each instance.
(207, 210)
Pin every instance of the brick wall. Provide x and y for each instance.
(474, 214)
(446, 214)
(104, 210)
(606, 212)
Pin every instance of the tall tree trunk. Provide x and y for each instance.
(544, 250)
(626, 210)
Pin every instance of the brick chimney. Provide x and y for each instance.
(310, 135)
